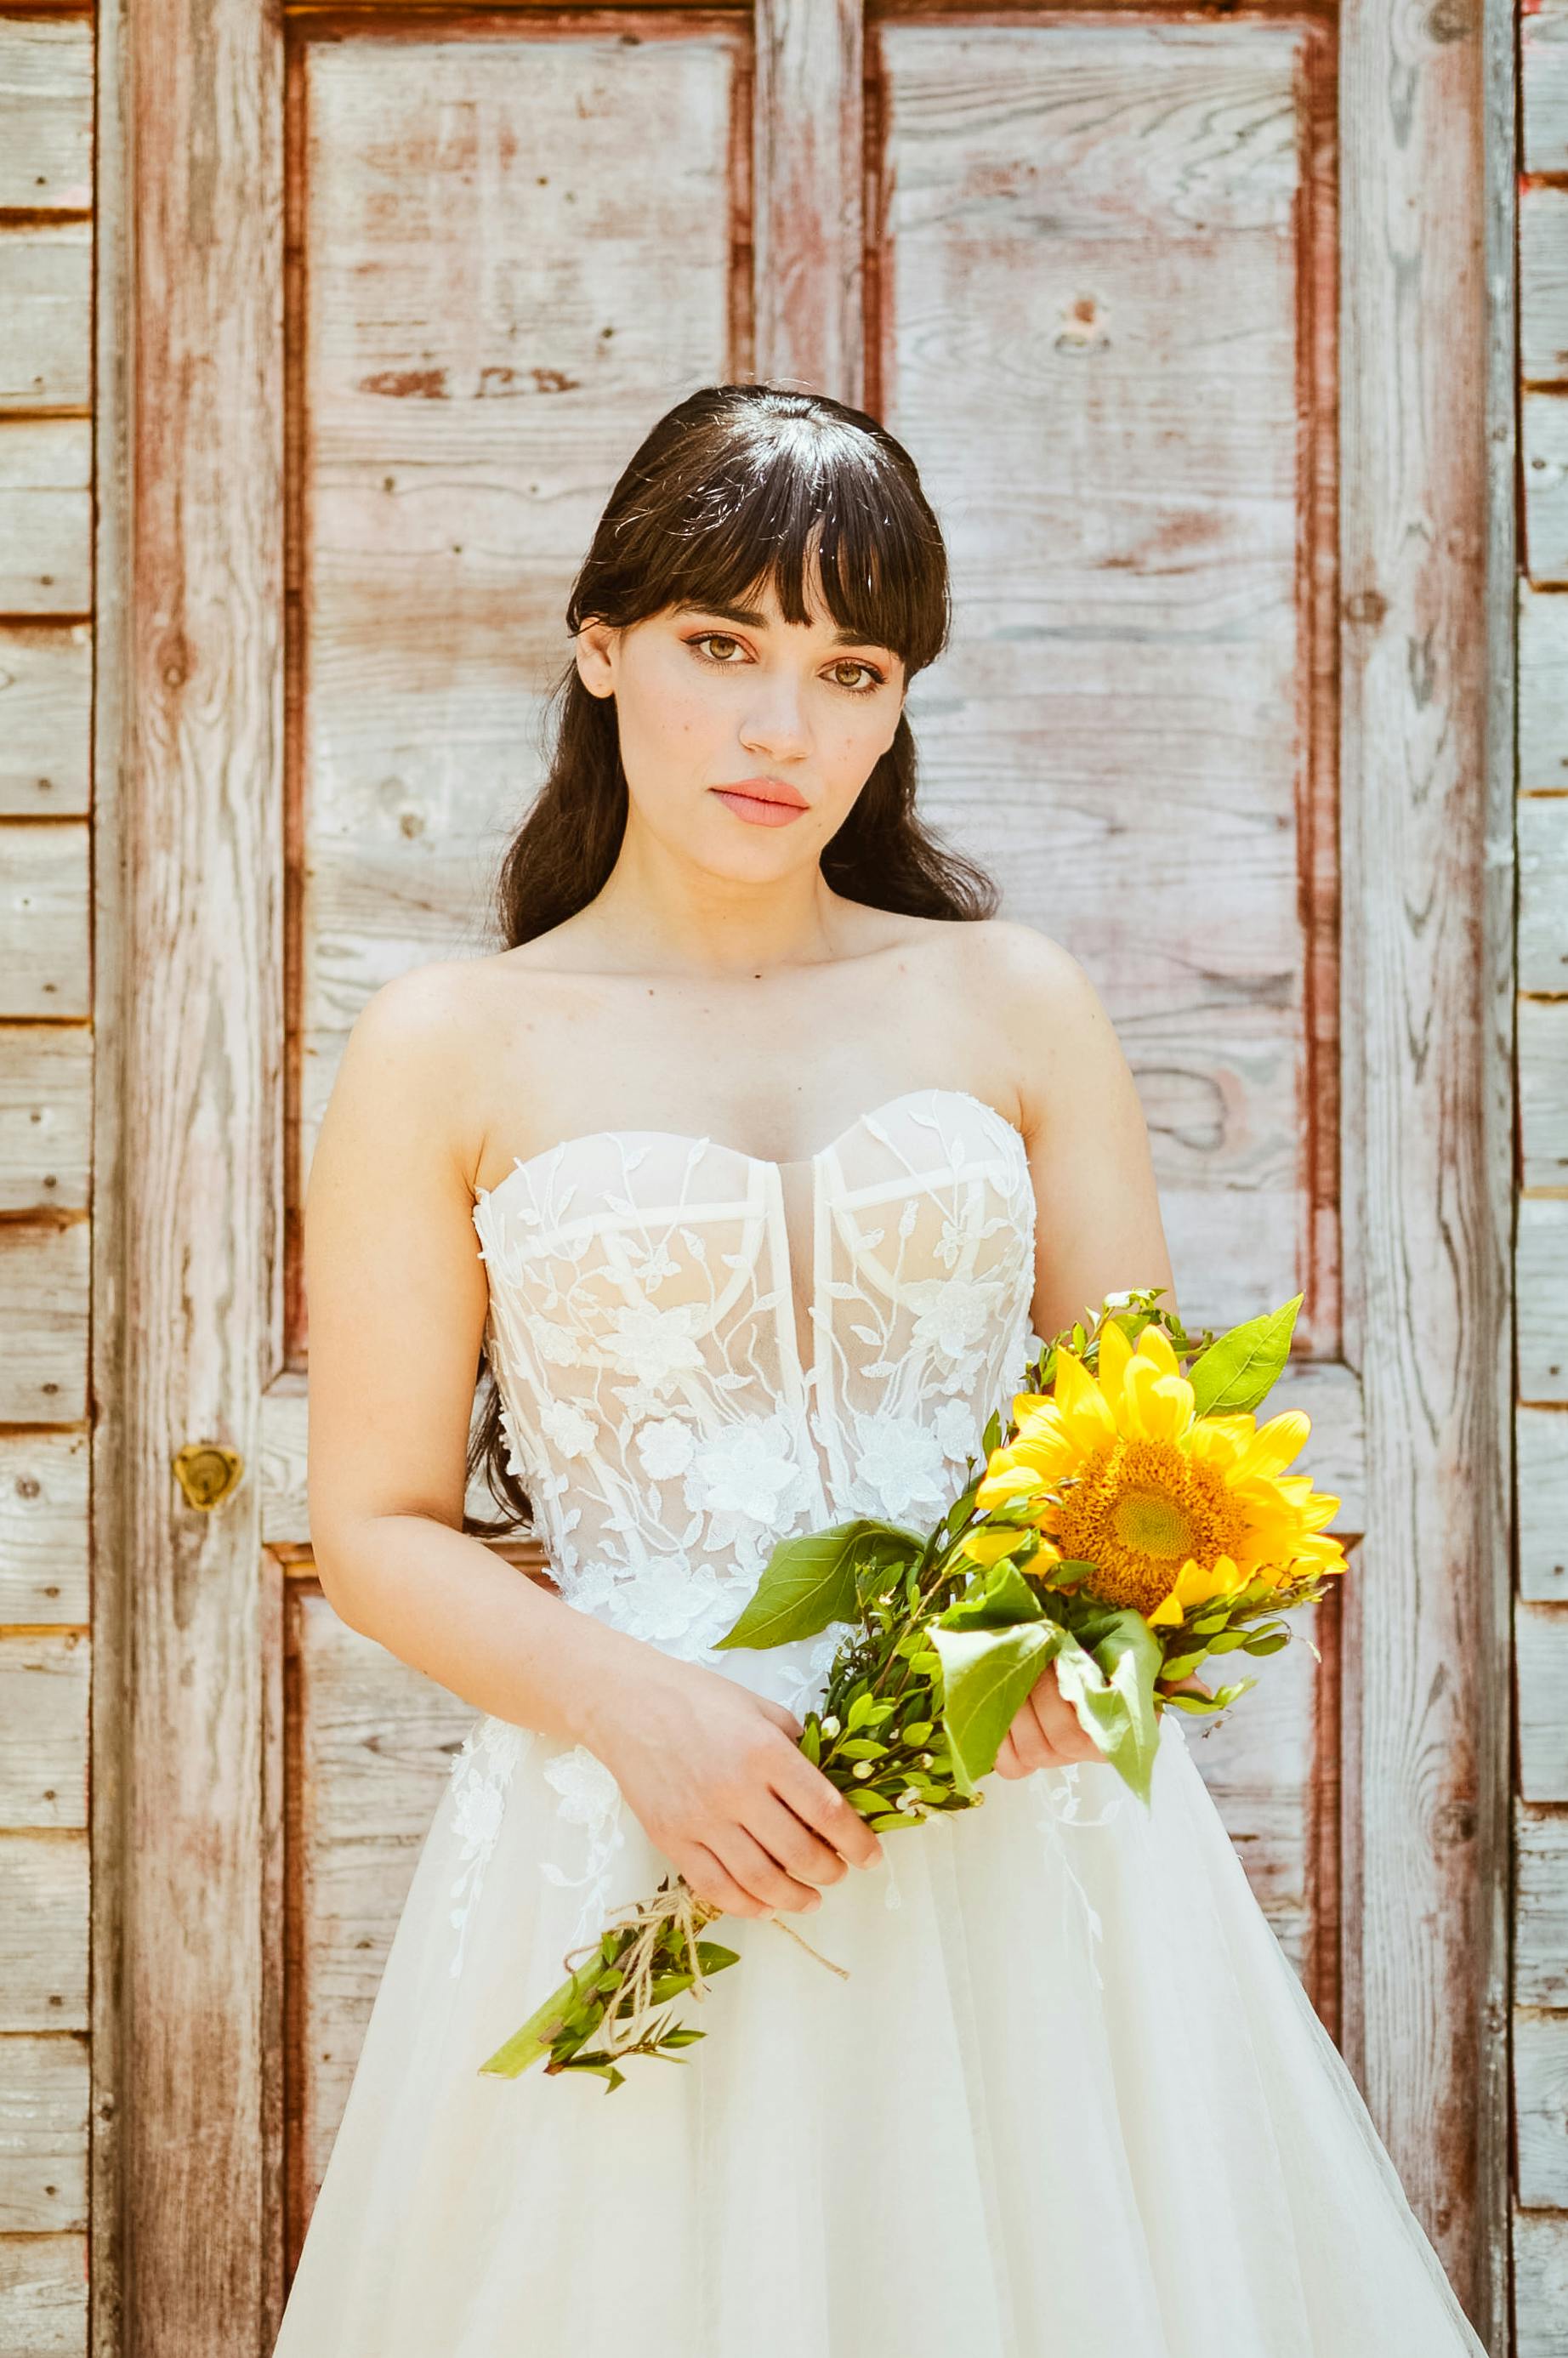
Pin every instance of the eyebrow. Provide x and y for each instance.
(751, 620)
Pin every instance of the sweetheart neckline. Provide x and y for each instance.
(524, 1162)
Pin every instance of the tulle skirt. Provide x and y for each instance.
(1071, 2101)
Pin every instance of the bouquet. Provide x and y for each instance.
(1131, 1518)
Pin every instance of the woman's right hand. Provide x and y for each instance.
(715, 1778)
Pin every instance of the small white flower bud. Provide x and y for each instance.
(831, 1724)
(864, 1768)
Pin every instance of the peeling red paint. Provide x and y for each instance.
(407, 385)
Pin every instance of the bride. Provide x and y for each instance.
(754, 1165)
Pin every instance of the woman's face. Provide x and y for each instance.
(745, 737)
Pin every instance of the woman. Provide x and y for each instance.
(781, 1150)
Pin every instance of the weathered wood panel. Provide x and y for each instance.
(1540, 2077)
(1543, 892)
(1095, 230)
(1544, 427)
(44, 920)
(200, 930)
(1426, 497)
(1541, 1263)
(1543, 281)
(46, 515)
(1544, 59)
(43, 1932)
(45, 696)
(1541, 1643)
(44, 2094)
(808, 235)
(1543, 1088)
(1259, 1767)
(45, 115)
(480, 367)
(46, 1115)
(44, 1277)
(1540, 1951)
(1542, 1440)
(43, 1527)
(1540, 2284)
(46, 301)
(1542, 693)
(43, 1730)
(374, 1746)
(43, 2297)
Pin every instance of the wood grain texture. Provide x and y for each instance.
(1540, 2284)
(199, 928)
(46, 515)
(1108, 233)
(1542, 691)
(44, 2090)
(46, 114)
(371, 1747)
(45, 949)
(1543, 75)
(46, 301)
(1544, 894)
(43, 1527)
(1540, 2075)
(1543, 1043)
(1544, 428)
(1540, 1930)
(476, 371)
(43, 2297)
(1541, 1438)
(43, 1932)
(46, 696)
(45, 1116)
(1543, 283)
(807, 233)
(1541, 1633)
(1427, 180)
(44, 1273)
(1541, 1268)
(43, 1677)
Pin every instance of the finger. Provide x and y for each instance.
(782, 1716)
(712, 1881)
(792, 1841)
(1059, 1723)
(1032, 1742)
(815, 1798)
(758, 1872)
(1008, 1763)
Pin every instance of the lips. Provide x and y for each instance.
(762, 802)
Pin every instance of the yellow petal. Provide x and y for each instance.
(1115, 1351)
(986, 1546)
(1275, 1445)
(1081, 1404)
(1153, 1343)
(1159, 1407)
(1164, 1613)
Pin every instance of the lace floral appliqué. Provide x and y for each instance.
(481, 1774)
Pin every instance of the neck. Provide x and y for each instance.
(657, 911)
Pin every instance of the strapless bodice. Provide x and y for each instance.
(662, 1403)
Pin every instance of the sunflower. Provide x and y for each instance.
(1172, 1508)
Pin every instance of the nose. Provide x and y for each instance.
(777, 725)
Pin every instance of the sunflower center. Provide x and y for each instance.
(1151, 1523)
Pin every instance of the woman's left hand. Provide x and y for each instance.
(1045, 1733)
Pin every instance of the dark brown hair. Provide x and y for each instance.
(737, 486)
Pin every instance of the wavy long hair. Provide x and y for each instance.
(736, 487)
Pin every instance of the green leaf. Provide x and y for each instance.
(1000, 1599)
(810, 1581)
(986, 1675)
(1111, 1688)
(1237, 1371)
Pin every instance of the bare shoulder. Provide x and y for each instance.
(416, 1053)
(1037, 999)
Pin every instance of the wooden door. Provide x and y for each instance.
(447, 269)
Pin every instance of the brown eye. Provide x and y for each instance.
(858, 688)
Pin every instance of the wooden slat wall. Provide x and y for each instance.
(46, 1082)
(1541, 1626)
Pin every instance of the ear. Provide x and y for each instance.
(595, 669)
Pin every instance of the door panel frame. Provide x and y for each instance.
(188, 1313)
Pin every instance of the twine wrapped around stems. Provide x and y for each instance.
(675, 1904)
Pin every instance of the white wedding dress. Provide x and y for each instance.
(1071, 2101)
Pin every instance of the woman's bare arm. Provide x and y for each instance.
(397, 1298)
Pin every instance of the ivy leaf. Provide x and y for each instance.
(1000, 1599)
(810, 1581)
(1237, 1371)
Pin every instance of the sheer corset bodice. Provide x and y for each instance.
(689, 1374)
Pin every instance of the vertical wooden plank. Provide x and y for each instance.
(808, 210)
(1427, 506)
(201, 1086)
